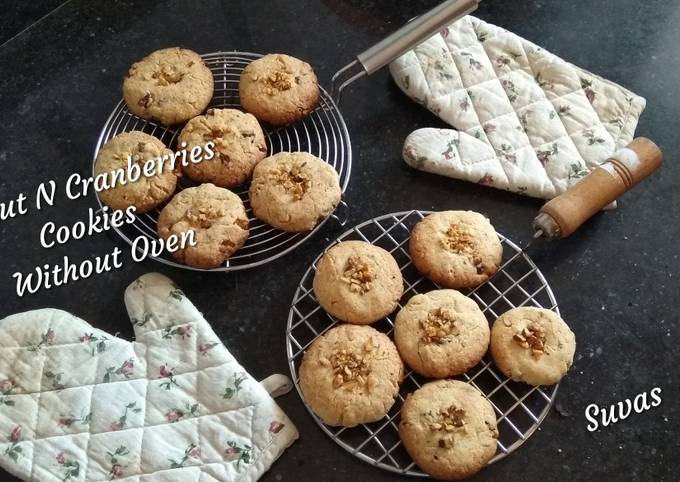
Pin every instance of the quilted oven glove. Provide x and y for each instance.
(526, 120)
(77, 404)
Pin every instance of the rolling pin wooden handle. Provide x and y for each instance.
(562, 215)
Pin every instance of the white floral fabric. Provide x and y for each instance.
(78, 404)
(525, 120)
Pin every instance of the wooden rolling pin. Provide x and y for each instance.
(563, 215)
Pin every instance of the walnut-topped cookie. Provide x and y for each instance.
(219, 221)
(357, 282)
(145, 193)
(456, 249)
(351, 375)
(239, 146)
(449, 429)
(441, 333)
(532, 345)
(278, 89)
(169, 85)
(294, 191)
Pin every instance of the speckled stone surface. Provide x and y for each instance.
(617, 279)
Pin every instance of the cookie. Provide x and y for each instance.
(357, 282)
(351, 375)
(456, 249)
(217, 217)
(145, 193)
(169, 85)
(294, 191)
(239, 146)
(532, 345)
(441, 333)
(278, 89)
(449, 429)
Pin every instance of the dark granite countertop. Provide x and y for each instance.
(616, 280)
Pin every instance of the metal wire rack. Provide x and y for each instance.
(323, 133)
(519, 408)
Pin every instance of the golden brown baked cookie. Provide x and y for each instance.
(279, 89)
(146, 192)
(441, 333)
(357, 282)
(532, 345)
(456, 249)
(449, 429)
(294, 191)
(239, 146)
(169, 85)
(351, 375)
(217, 217)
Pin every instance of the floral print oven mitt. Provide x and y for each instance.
(526, 120)
(78, 404)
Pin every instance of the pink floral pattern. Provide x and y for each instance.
(14, 449)
(510, 89)
(46, 338)
(125, 369)
(177, 414)
(204, 348)
(239, 453)
(473, 63)
(183, 331)
(232, 390)
(54, 379)
(117, 470)
(414, 159)
(507, 153)
(6, 388)
(587, 86)
(544, 156)
(450, 152)
(577, 171)
(592, 138)
(69, 468)
(96, 343)
(168, 374)
(68, 420)
(191, 452)
(122, 421)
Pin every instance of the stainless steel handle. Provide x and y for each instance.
(414, 33)
(401, 41)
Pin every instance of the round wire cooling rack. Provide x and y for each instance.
(323, 133)
(520, 408)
